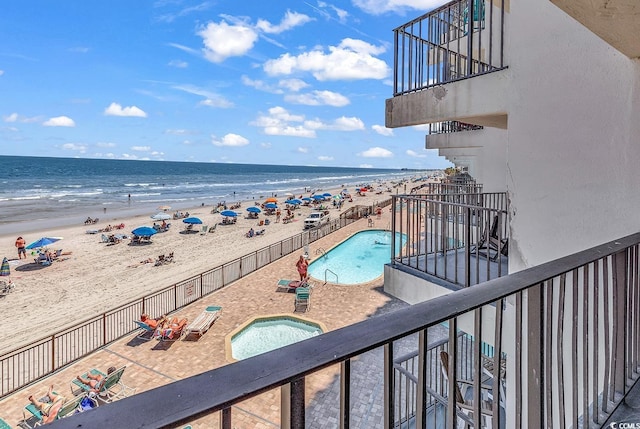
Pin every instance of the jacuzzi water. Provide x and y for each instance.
(359, 259)
(261, 336)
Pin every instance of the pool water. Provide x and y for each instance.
(359, 259)
(263, 335)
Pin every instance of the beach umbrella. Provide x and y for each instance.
(161, 216)
(296, 201)
(228, 213)
(192, 220)
(337, 197)
(271, 200)
(288, 194)
(271, 206)
(42, 242)
(144, 231)
(306, 199)
(326, 194)
(164, 208)
(4, 268)
(318, 197)
(254, 209)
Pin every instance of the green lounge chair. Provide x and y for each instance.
(112, 387)
(33, 413)
(147, 331)
(303, 299)
(4, 425)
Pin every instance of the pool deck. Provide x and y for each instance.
(151, 363)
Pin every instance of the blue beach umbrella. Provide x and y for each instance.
(144, 231)
(192, 220)
(296, 201)
(306, 199)
(318, 197)
(228, 213)
(43, 242)
(289, 202)
(254, 209)
(271, 206)
(326, 194)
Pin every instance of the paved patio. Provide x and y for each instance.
(151, 363)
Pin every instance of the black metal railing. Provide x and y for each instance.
(40, 358)
(460, 238)
(447, 187)
(564, 340)
(462, 39)
(448, 127)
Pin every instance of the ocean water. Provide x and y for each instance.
(36, 188)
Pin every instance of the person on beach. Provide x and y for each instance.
(50, 407)
(20, 244)
(95, 381)
(302, 266)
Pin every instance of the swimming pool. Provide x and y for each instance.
(359, 259)
(264, 334)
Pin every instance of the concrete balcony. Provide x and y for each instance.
(616, 22)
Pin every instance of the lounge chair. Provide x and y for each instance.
(4, 425)
(73, 405)
(213, 228)
(285, 285)
(203, 322)
(147, 331)
(491, 244)
(173, 332)
(112, 387)
(105, 238)
(303, 299)
(32, 414)
(205, 228)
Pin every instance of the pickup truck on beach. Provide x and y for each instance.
(316, 219)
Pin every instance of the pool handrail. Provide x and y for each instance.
(325, 276)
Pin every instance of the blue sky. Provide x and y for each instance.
(284, 82)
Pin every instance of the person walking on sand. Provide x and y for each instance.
(302, 266)
(20, 244)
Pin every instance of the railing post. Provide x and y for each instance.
(535, 358)
(104, 328)
(421, 394)
(345, 394)
(225, 418)
(389, 387)
(53, 352)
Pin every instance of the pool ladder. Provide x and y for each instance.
(329, 271)
(321, 251)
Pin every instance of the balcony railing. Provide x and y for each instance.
(462, 39)
(459, 238)
(564, 337)
(448, 127)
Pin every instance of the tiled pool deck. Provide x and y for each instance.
(151, 363)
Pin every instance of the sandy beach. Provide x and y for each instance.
(92, 277)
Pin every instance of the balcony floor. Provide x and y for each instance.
(629, 410)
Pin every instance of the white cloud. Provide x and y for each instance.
(341, 124)
(211, 99)
(179, 132)
(376, 152)
(222, 40)
(278, 123)
(59, 121)
(351, 60)
(75, 147)
(289, 21)
(294, 85)
(11, 118)
(378, 7)
(1, 72)
(233, 140)
(318, 98)
(141, 148)
(416, 154)
(179, 64)
(382, 130)
(265, 145)
(260, 85)
(303, 149)
(104, 144)
(325, 158)
(115, 109)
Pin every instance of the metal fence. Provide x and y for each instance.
(460, 238)
(564, 337)
(462, 39)
(40, 358)
(448, 127)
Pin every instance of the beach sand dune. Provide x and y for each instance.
(96, 277)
